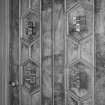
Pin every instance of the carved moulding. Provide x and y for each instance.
(79, 79)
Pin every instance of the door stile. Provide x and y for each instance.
(65, 48)
(40, 52)
(20, 35)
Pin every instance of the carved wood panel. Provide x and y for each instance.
(80, 52)
(53, 53)
(30, 45)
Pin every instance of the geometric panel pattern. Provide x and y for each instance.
(79, 21)
(30, 50)
(31, 26)
(80, 57)
(79, 73)
(79, 79)
(31, 76)
(72, 101)
(30, 69)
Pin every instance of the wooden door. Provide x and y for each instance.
(51, 52)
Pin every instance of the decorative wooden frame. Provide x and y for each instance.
(5, 50)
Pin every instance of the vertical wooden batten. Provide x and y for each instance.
(5, 31)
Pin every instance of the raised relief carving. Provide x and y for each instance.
(79, 79)
(31, 26)
(31, 77)
(79, 21)
(72, 101)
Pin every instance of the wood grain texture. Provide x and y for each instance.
(100, 52)
(79, 47)
(59, 32)
(14, 51)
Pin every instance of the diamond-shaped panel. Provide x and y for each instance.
(31, 26)
(35, 51)
(79, 23)
(31, 79)
(79, 79)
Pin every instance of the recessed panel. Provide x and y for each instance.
(80, 22)
(31, 78)
(79, 79)
(31, 26)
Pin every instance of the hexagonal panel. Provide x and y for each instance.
(31, 77)
(35, 51)
(24, 52)
(79, 79)
(31, 26)
(72, 101)
(79, 23)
